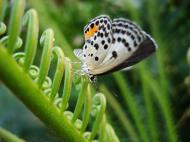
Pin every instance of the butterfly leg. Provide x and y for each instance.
(92, 78)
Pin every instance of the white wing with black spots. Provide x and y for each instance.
(96, 46)
(127, 37)
(111, 46)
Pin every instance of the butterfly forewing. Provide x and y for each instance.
(147, 47)
(97, 41)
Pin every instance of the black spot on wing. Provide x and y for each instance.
(96, 46)
(92, 42)
(106, 34)
(94, 37)
(119, 39)
(92, 25)
(123, 32)
(105, 46)
(129, 49)
(109, 40)
(96, 58)
(113, 41)
(97, 23)
(129, 28)
(109, 26)
(114, 54)
(105, 21)
(103, 42)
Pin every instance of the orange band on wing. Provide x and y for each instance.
(90, 32)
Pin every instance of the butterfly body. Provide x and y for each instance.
(113, 45)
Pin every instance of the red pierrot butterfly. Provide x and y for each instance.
(113, 45)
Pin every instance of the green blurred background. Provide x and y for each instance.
(168, 21)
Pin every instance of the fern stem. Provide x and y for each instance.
(99, 106)
(80, 100)
(46, 40)
(59, 55)
(9, 137)
(47, 21)
(155, 29)
(24, 88)
(87, 109)
(3, 7)
(133, 107)
(67, 84)
(102, 129)
(2, 28)
(1, 10)
(165, 109)
(151, 119)
(123, 119)
(15, 23)
(31, 18)
(110, 134)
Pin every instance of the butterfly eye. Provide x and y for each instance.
(91, 30)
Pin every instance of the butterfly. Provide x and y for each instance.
(112, 45)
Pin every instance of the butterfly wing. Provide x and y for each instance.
(146, 48)
(79, 54)
(130, 45)
(98, 38)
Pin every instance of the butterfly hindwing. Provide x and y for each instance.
(127, 37)
(146, 48)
